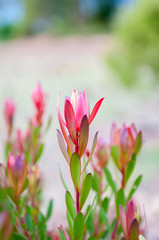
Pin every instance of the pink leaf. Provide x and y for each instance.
(70, 120)
(61, 122)
(95, 110)
(62, 146)
(84, 132)
(123, 221)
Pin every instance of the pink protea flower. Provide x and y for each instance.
(9, 110)
(128, 141)
(38, 97)
(77, 119)
(129, 222)
(17, 171)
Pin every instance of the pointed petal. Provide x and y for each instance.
(84, 132)
(134, 230)
(61, 122)
(130, 215)
(70, 120)
(95, 110)
(62, 146)
(123, 221)
(92, 151)
(80, 111)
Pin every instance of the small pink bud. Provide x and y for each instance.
(17, 171)
(9, 109)
(38, 97)
(127, 141)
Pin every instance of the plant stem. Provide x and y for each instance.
(77, 200)
(123, 178)
(114, 230)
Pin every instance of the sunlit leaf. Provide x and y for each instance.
(75, 168)
(78, 227)
(86, 186)
(130, 168)
(70, 205)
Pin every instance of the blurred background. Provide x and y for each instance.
(110, 48)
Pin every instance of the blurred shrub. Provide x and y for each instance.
(136, 54)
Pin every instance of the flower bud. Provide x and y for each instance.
(38, 97)
(9, 109)
(17, 171)
(127, 140)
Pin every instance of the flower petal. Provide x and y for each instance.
(123, 221)
(84, 132)
(130, 215)
(95, 110)
(80, 111)
(62, 146)
(70, 120)
(61, 122)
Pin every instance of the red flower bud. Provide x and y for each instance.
(127, 140)
(17, 171)
(38, 97)
(9, 109)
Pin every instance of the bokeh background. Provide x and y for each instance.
(110, 48)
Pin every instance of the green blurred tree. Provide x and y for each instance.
(136, 54)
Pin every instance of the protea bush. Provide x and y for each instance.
(88, 218)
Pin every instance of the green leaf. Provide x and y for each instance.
(141, 237)
(78, 227)
(49, 210)
(130, 168)
(28, 158)
(110, 180)
(135, 187)
(62, 236)
(29, 222)
(89, 208)
(120, 200)
(103, 217)
(70, 223)
(105, 204)
(92, 238)
(40, 151)
(115, 155)
(86, 186)
(95, 183)
(63, 181)
(62, 146)
(75, 168)
(70, 205)
(134, 230)
(17, 236)
(92, 151)
(48, 124)
(138, 143)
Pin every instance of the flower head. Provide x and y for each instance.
(77, 119)
(130, 222)
(128, 141)
(17, 171)
(38, 97)
(9, 109)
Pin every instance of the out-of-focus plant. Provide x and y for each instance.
(20, 181)
(136, 32)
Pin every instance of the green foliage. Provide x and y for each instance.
(75, 169)
(137, 36)
(86, 186)
(78, 227)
